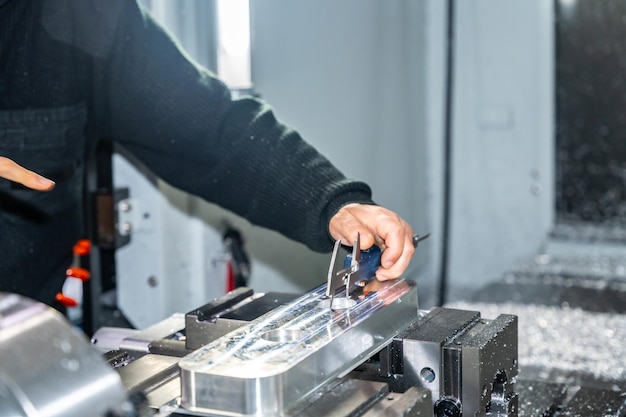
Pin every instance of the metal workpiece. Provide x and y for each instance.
(346, 397)
(272, 364)
(48, 369)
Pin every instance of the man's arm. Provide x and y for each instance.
(386, 229)
(179, 120)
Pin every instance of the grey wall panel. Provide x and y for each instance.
(503, 158)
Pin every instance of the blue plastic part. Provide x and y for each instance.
(370, 262)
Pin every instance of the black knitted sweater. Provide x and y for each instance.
(73, 72)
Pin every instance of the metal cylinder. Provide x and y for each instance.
(48, 368)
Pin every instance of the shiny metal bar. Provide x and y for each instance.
(271, 365)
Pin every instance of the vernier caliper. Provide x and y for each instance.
(359, 266)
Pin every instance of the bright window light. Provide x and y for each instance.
(233, 52)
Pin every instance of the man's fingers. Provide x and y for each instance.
(399, 266)
(377, 225)
(394, 232)
(396, 258)
(14, 172)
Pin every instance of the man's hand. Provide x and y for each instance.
(380, 226)
(14, 172)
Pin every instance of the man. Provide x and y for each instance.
(73, 72)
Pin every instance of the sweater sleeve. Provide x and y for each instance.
(179, 120)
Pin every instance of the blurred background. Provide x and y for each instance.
(496, 126)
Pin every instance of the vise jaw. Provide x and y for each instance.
(468, 363)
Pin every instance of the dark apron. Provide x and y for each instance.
(38, 229)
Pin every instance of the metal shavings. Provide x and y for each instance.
(568, 339)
